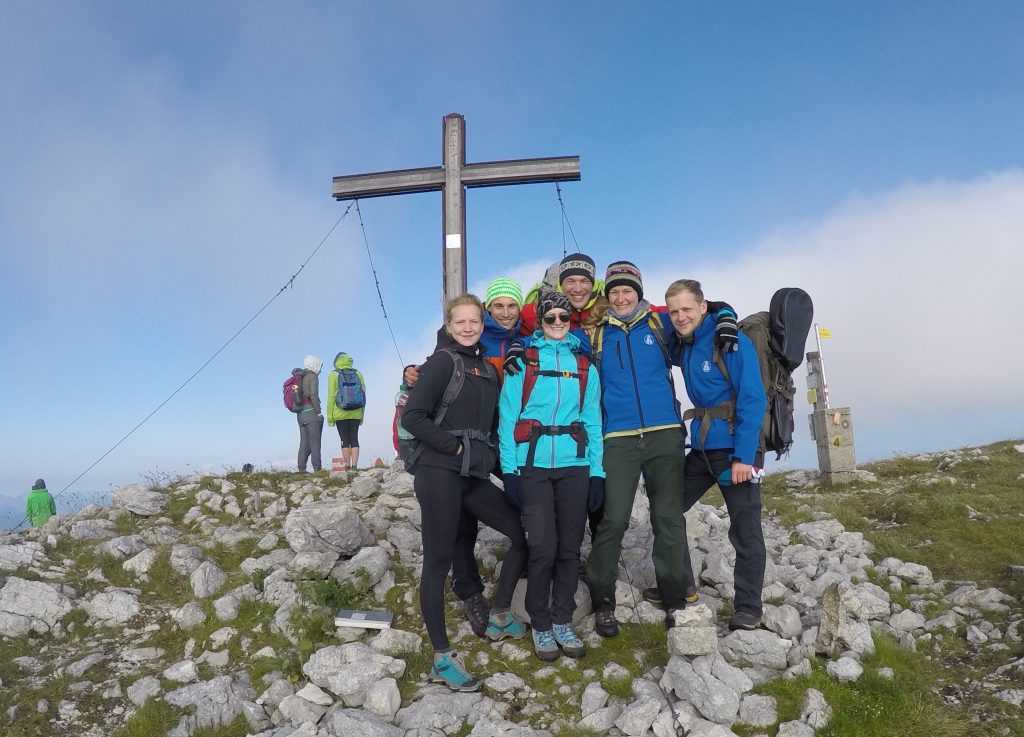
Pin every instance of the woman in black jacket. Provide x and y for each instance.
(453, 464)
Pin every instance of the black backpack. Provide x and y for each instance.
(451, 391)
(779, 336)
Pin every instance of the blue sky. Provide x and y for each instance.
(166, 169)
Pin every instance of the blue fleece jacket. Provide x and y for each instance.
(707, 387)
(638, 393)
(495, 339)
(555, 400)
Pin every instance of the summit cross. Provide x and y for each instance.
(452, 179)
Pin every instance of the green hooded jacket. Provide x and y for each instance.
(334, 412)
(39, 507)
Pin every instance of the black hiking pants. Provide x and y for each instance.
(444, 496)
(554, 517)
(743, 501)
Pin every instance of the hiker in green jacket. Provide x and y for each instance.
(346, 404)
(40, 505)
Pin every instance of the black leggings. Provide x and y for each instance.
(445, 497)
(348, 431)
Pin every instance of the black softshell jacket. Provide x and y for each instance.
(476, 407)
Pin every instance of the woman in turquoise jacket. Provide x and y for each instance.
(549, 436)
(346, 420)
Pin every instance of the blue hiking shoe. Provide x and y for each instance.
(571, 643)
(503, 625)
(545, 646)
(449, 669)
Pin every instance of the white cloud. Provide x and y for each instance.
(918, 287)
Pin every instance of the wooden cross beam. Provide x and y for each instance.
(452, 179)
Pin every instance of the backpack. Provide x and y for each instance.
(451, 391)
(350, 393)
(778, 336)
(294, 398)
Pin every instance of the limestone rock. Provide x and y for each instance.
(138, 499)
(112, 606)
(30, 606)
(330, 526)
(348, 670)
(207, 579)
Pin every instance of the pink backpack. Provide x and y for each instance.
(294, 399)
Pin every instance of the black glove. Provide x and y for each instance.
(727, 331)
(513, 362)
(595, 497)
(513, 489)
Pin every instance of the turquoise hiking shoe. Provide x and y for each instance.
(545, 646)
(449, 669)
(503, 625)
(571, 643)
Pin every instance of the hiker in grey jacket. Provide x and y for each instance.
(310, 419)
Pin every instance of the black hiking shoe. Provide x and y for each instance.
(605, 624)
(477, 613)
(653, 596)
(744, 621)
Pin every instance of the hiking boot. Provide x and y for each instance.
(545, 646)
(670, 618)
(653, 595)
(570, 642)
(744, 621)
(449, 669)
(503, 625)
(476, 611)
(605, 624)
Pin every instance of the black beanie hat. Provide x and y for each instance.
(553, 301)
(39, 484)
(576, 264)
(623, 274)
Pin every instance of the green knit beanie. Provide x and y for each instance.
(503, 287)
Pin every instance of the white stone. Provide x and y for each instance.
(815, 710)
(594, 698)
(189, 615)
(601, 720)
(383, 699)
(906, 621)
(758, 647)
(795, 729)
(112, 606)
(326, 526)
(183, 671)
(143, 689)
(348, 670)
(140, 563)
(395, 642)
(758, 711)
(692, 640)
(30, 606)
(139, 499)
(638, 717)
(844, 670)
(207, 579)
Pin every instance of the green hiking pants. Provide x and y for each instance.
(659, 456)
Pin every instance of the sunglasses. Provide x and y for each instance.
(552, 318)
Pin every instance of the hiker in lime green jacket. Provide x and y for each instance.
(346, 401)
(40, 505)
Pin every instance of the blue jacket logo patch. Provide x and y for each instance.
(649, 339)
(706, 367)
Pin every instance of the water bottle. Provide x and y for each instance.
(725, 477)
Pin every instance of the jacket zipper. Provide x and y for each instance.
(636, 389)
(558, 401)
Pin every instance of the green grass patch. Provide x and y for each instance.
(151, 719)
(874, 706)
(166, 584)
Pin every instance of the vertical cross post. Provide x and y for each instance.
(453, 196)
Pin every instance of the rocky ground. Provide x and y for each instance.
(208, 605)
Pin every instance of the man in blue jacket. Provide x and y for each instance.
(725, 434)
(642, 433)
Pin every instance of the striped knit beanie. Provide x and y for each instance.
(576, 264)
(623, 274)
(553, 301)
(503, 287)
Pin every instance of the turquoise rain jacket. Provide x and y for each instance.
(555, 400)
(706, 386)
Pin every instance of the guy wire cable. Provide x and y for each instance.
(196, 373)
(565, 221)
(377, 282)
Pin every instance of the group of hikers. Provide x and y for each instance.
(568, 397)
(346, 390)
